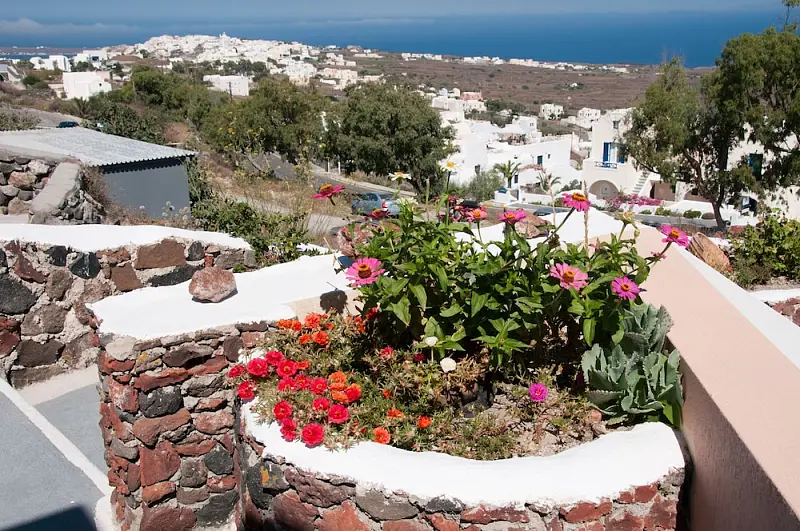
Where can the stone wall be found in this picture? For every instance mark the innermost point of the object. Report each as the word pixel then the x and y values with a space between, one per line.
pixel 64 200
pixel 789 308
pixel 21 179
pixel 167 424
pixel 277 495
pixel 45 289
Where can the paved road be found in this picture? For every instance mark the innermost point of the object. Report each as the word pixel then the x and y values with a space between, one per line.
pixel 317 223
pixel 42 487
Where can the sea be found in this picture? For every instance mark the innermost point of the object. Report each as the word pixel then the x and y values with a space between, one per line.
pixel 597 38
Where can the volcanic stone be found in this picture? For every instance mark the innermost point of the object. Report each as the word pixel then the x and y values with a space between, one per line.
pixel 163 401
pixel 213 423
pixel 342 517
pixel 38 167
pixel 26 271
pixel 292 513
pixel 3 259
pixel 86 265
pixel 17 206
pixel 179 356
pixel 155 493
pixel 124 277
pixel 193 473
pixel 58 284
pixel 166 253
pixel 15 298
pixel 382 508
pixel 123 396
pixel 148 382
pixel 195 252
pixel 219 461
pixel 34 354
pixel 192 496
pixel 57 255
pixel 212 284
pixel 148 430
pixel 317 492
pixel 22 180
pixel 163 518
pixel 178 276
pixel 158 464
pixel 131 453
pixel 47 319
pixel 218 509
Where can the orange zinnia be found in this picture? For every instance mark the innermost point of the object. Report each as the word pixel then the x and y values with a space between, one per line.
pixel 339 396
pixel 395 413
pixel 424 422
pixel 302 365
pixel 386 394
pixel 381 435
pixel 353 392
pixel 305 338
pixel 320 338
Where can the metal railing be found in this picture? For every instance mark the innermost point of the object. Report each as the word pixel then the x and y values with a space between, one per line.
pixel 605 164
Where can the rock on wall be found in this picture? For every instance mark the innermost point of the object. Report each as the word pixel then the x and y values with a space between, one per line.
pixel 168 426
pixel 21 179
pixel 44 290
pixel 64 199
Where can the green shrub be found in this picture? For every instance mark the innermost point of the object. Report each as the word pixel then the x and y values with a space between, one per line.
pixel 483 186
pixel 645 212
pixel 661 211
pixel 769 249
pixel 637 378
pixel 692 214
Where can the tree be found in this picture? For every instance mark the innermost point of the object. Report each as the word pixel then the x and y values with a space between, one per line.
pixel 548 183
pixel 686 134
pixel 82 66
pixel 483 186
pixel 116 70
pixel 16 120
pixel 509 170
pixel 760 76
pixel 108 116
pixel 382 129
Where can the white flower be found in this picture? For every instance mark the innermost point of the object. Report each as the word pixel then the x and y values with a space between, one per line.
pixel 407 201
pixel 400 176
pixel 431 341
pixel 448 364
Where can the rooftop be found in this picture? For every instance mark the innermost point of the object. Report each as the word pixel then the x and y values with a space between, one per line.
pixel 90 147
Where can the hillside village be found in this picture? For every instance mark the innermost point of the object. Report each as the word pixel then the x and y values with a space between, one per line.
pixel 256 285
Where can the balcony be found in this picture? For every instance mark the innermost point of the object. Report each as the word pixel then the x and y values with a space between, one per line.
pixel 606 165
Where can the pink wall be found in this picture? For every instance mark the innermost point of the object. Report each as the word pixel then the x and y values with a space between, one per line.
pixel 742 399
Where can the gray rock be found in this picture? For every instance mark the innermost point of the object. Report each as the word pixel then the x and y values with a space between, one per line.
pixel 3 259
pixel 17 206
pixel 258 494
pixel 195 252
pixel 179 275
pixel 57 255
pixel 276 481
pixel 163 401
pixel 380 507
pixel 58 284
pixel 35 354
pixel 219 461
pixel 217 510
pixel 227 260
pixel 22 160
pixel 25 195
pixel 193 473
pixel 15 298
pixel 203 386
pixel 39 168
pixel 441 504
pixel 131 453
pixel 86 265
pixel 8 167
pixel 9 191
pixel 148 360
pixel 47 319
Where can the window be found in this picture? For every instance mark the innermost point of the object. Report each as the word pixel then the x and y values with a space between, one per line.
pixel 615 123
pixel 516 178
pixel 539 160
pixel 548 156
pixel 756 163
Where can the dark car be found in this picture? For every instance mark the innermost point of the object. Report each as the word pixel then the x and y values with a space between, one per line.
pixel 366 203
pixel 67 123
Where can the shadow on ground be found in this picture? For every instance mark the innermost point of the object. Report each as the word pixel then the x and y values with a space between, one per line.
pixel 74 519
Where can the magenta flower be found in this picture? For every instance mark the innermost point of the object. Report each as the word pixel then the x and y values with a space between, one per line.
pixel 625 288
pixel 569 277
pixel 476 214
pixel 578 201
pixel 538 392
pixel 674 235
pixel 364 271
pixel 511 217
pixel 328 191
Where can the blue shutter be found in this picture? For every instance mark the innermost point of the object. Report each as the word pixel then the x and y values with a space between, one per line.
pixel 606 149
pixel 539 160
pixel 621 155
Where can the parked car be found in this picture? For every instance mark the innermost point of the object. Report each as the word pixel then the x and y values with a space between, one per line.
pixel 67 123
pixel 366 203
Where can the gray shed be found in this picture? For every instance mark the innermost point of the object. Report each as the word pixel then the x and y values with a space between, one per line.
pixel 138 174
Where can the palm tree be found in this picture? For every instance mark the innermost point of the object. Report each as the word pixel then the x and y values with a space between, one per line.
pixel 80 107
pixel 508 170
pixel 548 183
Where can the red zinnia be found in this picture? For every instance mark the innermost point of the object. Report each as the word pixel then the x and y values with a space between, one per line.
pixel 258 367
pixel 338 414
pixel 288 435
pixel 313 319
pixel 320 338
pixel 305 338
pixel 282 410
pixel 353 392
pixel 381 435
pixel 424 422
pixel 247 390
pixel 289 424
pixel 236 371
pixel 286 368
pixel 302 381
pixel 372 313
pixel 313 434
pixel 273 357
pixel 287 384
pixel 387 353
pixel 302 365
pixel 318 386
pixel 321 404
pixel 419 356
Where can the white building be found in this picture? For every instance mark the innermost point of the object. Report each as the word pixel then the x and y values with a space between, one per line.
pixel 234 85
pixel 83 85
pixel 53 62
pixel 92 57
pixel 551 111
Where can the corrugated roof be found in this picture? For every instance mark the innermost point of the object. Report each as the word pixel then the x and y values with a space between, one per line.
pixel 90 147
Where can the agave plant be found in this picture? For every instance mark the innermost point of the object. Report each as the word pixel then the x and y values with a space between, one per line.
pixel 637 377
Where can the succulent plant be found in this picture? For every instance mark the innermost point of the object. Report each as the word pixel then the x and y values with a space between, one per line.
pixel 637 377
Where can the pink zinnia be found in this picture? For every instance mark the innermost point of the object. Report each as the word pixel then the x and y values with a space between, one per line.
pixel 625 288
pixel 364 271
pixel 476 214
pixel 328 191
pixel 273 358
pixel 569 277
pixel 674 235
pixel 512 217
pixel 538 392
pixel 578 201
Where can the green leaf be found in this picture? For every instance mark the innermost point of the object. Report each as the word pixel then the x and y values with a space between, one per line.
pixel 576 307
pixel 618 335
pixel 454 309
pixel 459 334
pixel 441 275
pixel 550 288
pixel 588 330
pixel 478 302
pixel 419 292
pixel 402 309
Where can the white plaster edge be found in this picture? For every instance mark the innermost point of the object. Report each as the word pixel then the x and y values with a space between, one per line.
pixel 773 296
pixel 597 470
pixel 41 392
pixel 103 519
pixel 59 440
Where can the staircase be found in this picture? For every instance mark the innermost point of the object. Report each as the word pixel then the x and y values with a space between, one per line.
pixel 640 184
